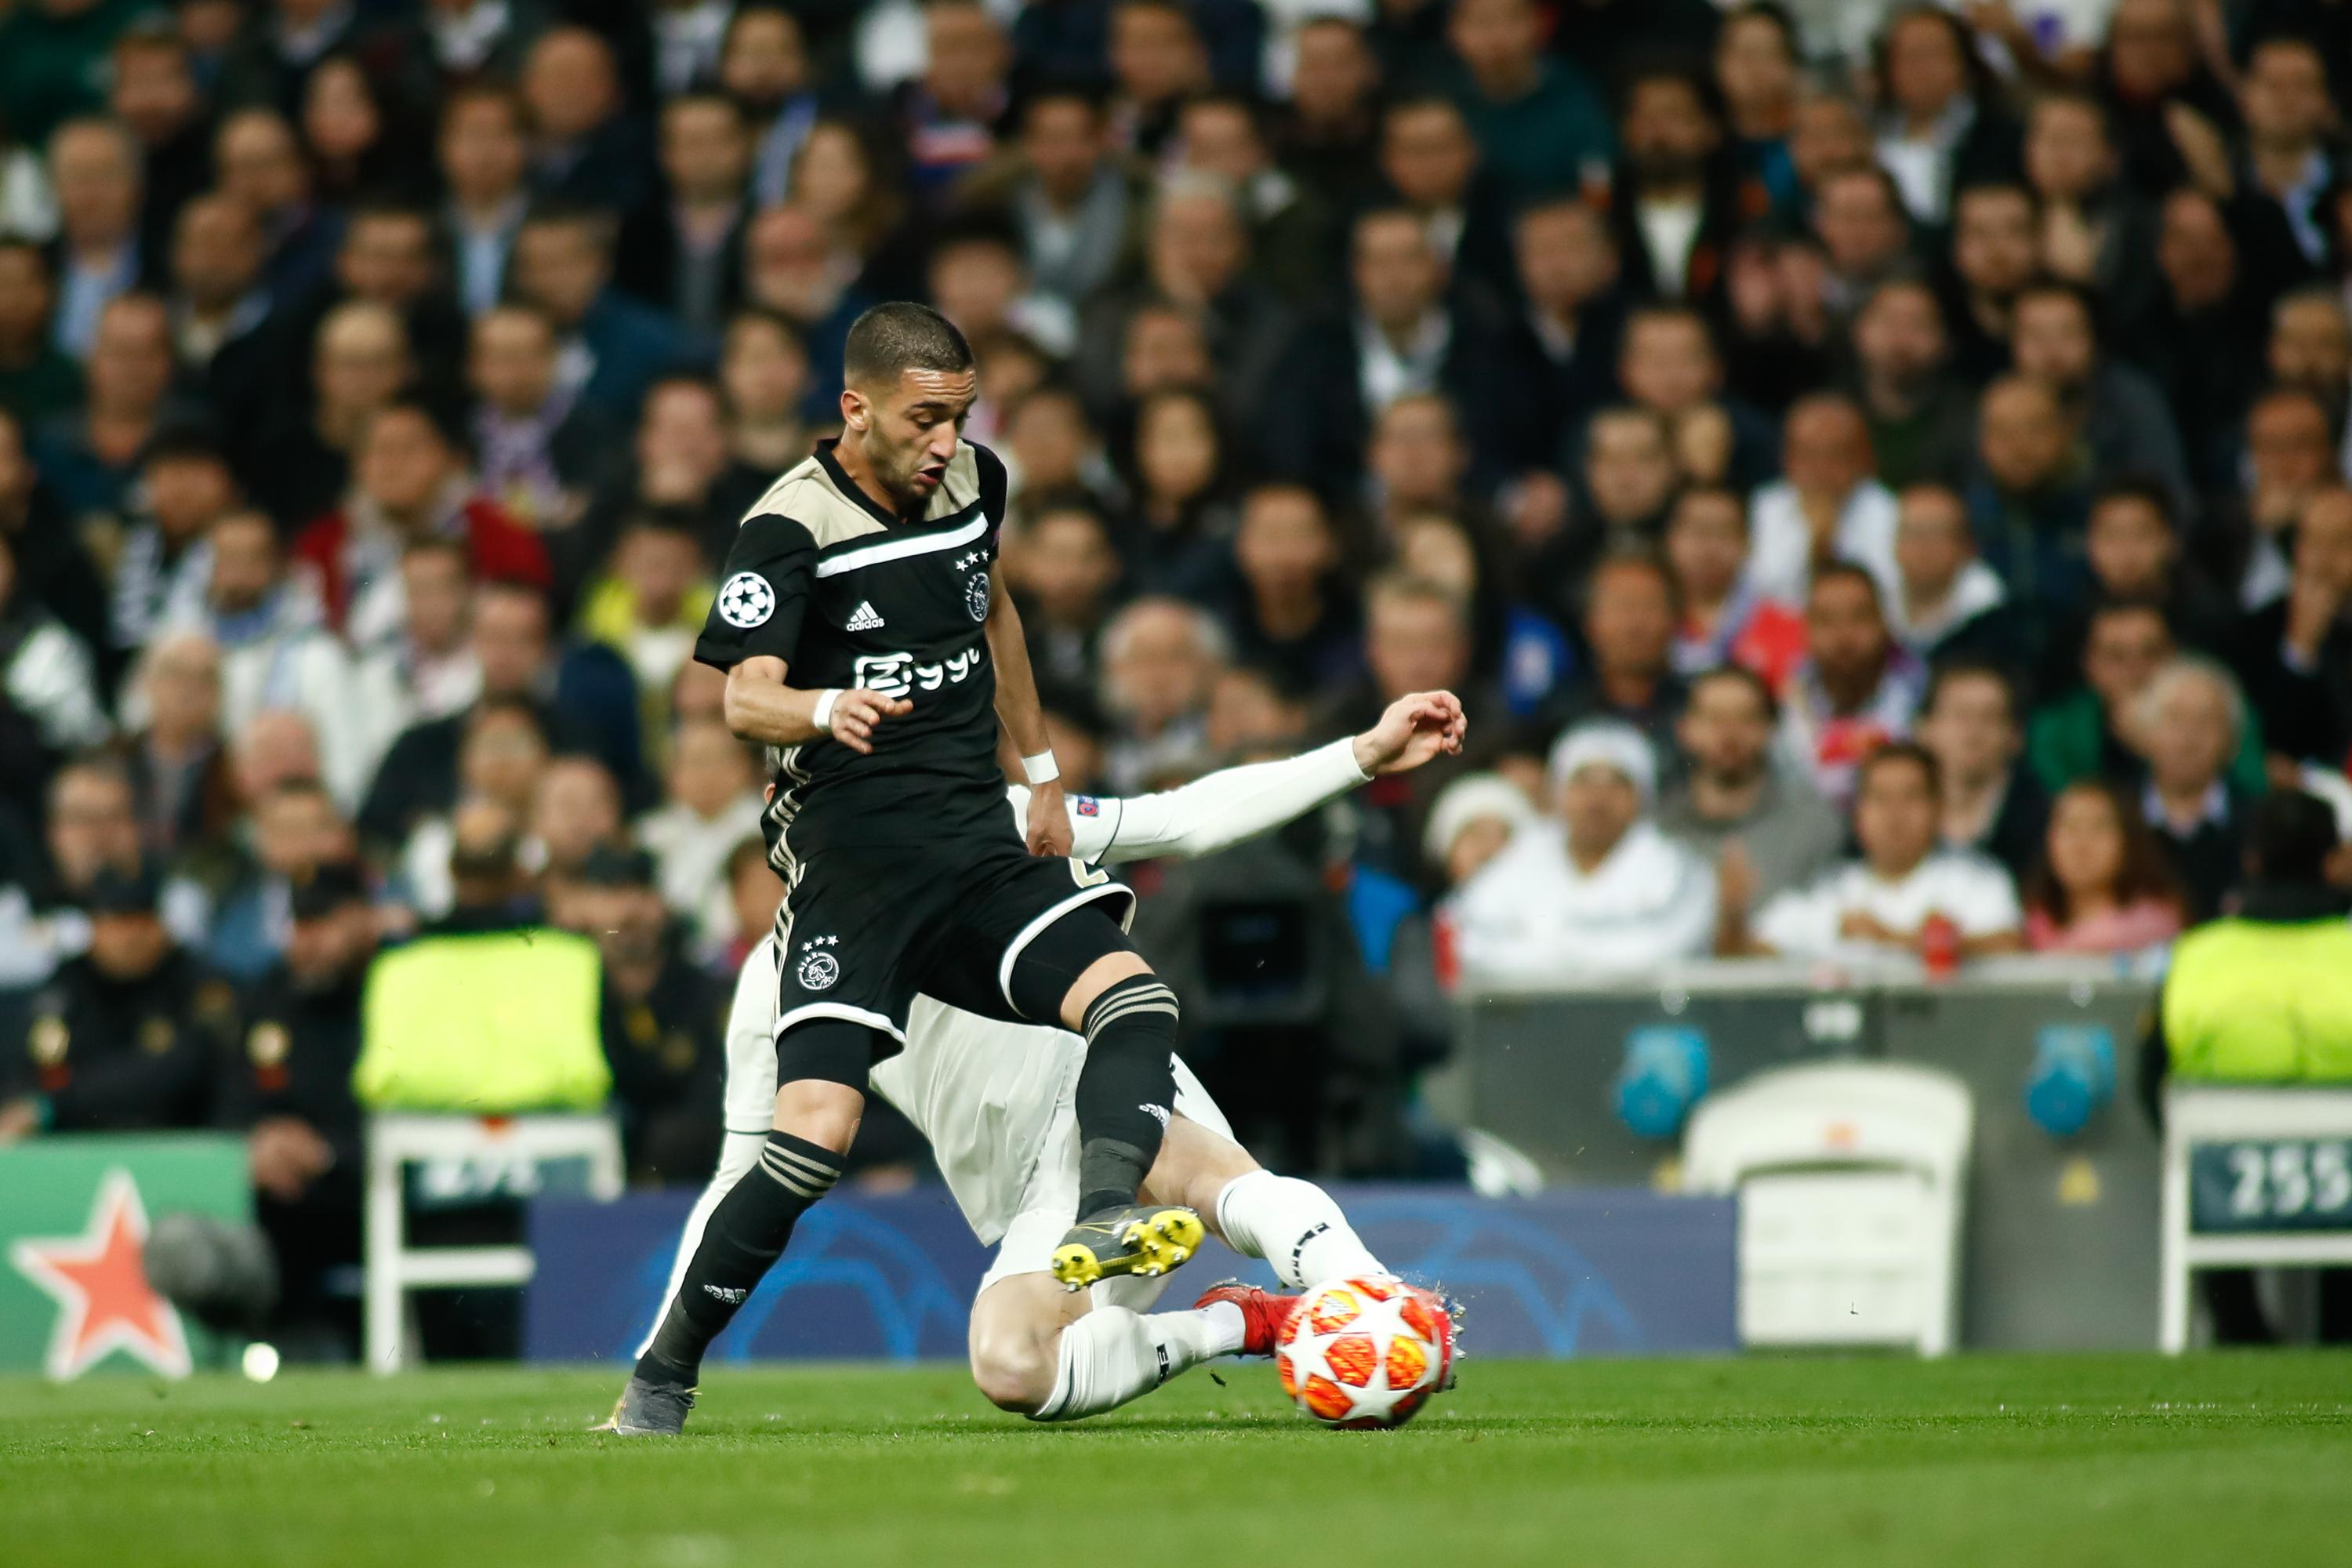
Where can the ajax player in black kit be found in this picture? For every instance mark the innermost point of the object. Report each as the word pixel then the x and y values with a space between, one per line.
pixel 869 645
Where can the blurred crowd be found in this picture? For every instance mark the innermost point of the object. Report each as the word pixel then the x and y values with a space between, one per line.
pixel 1876 475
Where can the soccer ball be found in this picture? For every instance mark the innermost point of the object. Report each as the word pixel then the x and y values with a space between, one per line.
pixel 1365 1354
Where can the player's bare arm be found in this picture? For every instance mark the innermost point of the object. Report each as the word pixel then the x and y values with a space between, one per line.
pixel 1023 718
pixel 760 706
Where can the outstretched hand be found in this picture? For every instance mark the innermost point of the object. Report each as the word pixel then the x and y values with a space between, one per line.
pixel 1414 730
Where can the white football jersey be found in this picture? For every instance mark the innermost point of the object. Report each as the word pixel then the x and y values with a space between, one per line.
pixel 981 1092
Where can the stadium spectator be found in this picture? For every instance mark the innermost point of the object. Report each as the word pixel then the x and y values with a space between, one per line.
pixel 2120 414
pixel 1762 827
pixel 410 482
pixel 2289 121
pixel 1676 201
pixel 2028 493
pixel 575 810
pixel 579 696
pixel 1402 337
pixel 257 158
pixel 217 303
pixel 1062 568
pixel 49 704
pixel 1725 618
pixel 275 653
pixel 1601 892
pixel 1629 635
pixel 94 166
pixel 127 1035
pixel 2095 231
pixel 660 1017
pixel 947 116
pixel 1905 895
pixel 1918 412
pixel 563 266
pixel 541 451
pixel 501 756
pixel 1991 803
pixel 287 1087
pixel 1671 363
pixel 1941 128
pixel 1473 820
pixel 185 485
pixel 2203 344
pixel 1995 252
pixel 1416 638
pixel 2101 884
pixel 90 457
pixel 1943 598
pixel 1830 508
pixel 1858 218
pixel 37 379
pixel 710 801
pixel 483 162
pixel 1537 122
pixel 2187 721
pixel 1419 463
pixel 178 761
pixel 301 465
pixel 1856 690
pixel 1429 162
pixel 2134 550
pixel 1181 510
pixel 1079 209
pixel 586 148
pixel 297 828
pixel 2290 453
pixel 1293 240
pixel 674 252
pixel 2296 653
pixel 2086 732
pixel 1159 661
pixel 428 669
pixel 650 607
pixel 765 373
pixel 1563 347
pixel 1291 613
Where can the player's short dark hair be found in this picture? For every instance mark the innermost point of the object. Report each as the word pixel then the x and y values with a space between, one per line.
pixel 1741 674
pixel 1969 667
pixel 1901 751
pixel 892 339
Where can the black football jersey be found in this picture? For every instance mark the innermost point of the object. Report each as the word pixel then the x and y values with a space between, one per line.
pixel 848 596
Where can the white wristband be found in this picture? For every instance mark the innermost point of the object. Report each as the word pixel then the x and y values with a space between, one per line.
pixel 822 714
pixel 1040 768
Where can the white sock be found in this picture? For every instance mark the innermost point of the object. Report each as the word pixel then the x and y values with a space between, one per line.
pixel 1112 1355
pixel 1294 1225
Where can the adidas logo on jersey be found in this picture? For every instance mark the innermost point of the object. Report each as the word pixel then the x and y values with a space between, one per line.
pixel 864 618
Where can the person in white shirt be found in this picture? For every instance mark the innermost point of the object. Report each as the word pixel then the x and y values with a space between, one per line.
pixel 995 1100
pixel 1905 895
pixel 1602 891
pixel 1940 586
pixel 1830 508
pixel 711 805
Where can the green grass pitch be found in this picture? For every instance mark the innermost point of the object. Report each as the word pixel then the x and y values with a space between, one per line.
pixel 2129 1460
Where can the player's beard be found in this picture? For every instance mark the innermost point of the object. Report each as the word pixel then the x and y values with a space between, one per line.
pixel 894 467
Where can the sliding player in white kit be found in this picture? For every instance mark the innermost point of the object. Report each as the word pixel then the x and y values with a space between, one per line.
pixel 995 1100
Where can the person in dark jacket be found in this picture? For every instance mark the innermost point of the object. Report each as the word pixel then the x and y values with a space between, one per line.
pixel 288 1090
pixel 125 1037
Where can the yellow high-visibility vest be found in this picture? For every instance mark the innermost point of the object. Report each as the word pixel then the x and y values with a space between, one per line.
pixel 489 1024
pixel 2261 1002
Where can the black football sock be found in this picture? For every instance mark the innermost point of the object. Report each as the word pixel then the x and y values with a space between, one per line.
pixel 1124 1091
pixel 747 1234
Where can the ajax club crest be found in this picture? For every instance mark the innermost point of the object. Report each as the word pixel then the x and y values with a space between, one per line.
pixel 818 968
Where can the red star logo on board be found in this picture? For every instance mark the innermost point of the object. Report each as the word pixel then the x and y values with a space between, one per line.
pixel 104 1302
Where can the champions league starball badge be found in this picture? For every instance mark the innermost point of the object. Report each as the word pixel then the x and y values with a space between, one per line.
pixel 745 601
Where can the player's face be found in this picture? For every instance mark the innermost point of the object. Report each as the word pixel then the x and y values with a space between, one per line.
pixel 908 433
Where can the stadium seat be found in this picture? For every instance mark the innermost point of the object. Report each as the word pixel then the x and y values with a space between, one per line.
pixel 506 1152
pixel 2254 1178
pixel 1850 1178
